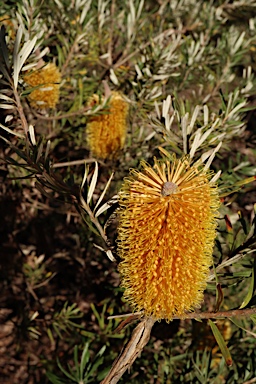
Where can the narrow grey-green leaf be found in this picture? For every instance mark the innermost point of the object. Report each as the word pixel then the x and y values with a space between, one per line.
pixel 93 183
pixel 20 59
pixel 236 322
pixel 12 132
pixel 104 191
pixel 84 359
pixel 17 43
pixel 248 297
pixel 221 343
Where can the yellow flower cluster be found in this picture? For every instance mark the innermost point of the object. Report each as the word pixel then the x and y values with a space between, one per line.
pixel 166 236
pixel 46 83
pixel 106 133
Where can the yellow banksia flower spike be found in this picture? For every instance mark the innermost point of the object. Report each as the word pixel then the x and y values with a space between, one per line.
pixel 46 81
pixel 106 133
pixel 166 235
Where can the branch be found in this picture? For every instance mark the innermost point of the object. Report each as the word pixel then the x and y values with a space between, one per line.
pixel 23 119
pixel 202 315
pixel 216 315
pixel 93 219
pixel 141 335
pixel 139 339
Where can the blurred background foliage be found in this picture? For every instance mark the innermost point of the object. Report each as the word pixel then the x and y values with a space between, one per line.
pixel 187 70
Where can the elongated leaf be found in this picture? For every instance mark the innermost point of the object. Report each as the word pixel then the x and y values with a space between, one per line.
pixel 221 343
pixel 245 181
pixel 20 58
pixel 66 373
pixel 106 206
pixel 95 365
pixel 32 135
pixel 17 41
pixel 6 98
pixel 248 297
pixel 54 379
pixel 86 171
pixel 6 106
pixel 12 132
pixel 243 222
pixel 104 191
pixel 84 359
pixel 253 318
pixel 76 361
pixel 236 322
pixel 219 297
pixel 93 183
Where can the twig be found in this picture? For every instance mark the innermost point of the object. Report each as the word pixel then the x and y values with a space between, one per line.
pixel 216 315
pixel 234 256
pixel 74 162
pixel 141 335
pixel 23 119
pixel 110 43
pixel 64 115
pixel 139 339
pixel 69 56
pixel 203 315
pixel 94 219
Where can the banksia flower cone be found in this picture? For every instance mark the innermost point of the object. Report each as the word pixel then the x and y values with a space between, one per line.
pixel 106 133
pixel 165 236
pixel 46 82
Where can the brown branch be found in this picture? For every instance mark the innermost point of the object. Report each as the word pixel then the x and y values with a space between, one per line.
pixel 64 115
pixel 110 43
pixel 139 339
pixel 69 56
pixel 204 315
pixel 216 315
pixel 23 119
pixel 93 219
pixel 141 335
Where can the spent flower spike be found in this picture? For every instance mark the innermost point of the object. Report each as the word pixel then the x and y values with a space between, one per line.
pixel 166 235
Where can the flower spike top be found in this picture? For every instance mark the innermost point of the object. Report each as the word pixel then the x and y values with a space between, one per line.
pixel 166 235
pixel 46 82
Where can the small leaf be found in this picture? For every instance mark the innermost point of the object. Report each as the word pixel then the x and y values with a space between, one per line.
pixel 84 359
pixel 107 205
pixel 245 181
pixel 6 98
pixel 248 297
pixel 32 135
pixel 54 379
pixel 17 41
pixel 20 135
pixel 220 297
pixel 93 183
pixel 6 106
pixel 228 223
pixel 243 222
pixel 104 191
pixel 20 58
pixel 236 322
pixel 86 171
pixel 221 343
pixel 66 373
pixel 253 318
